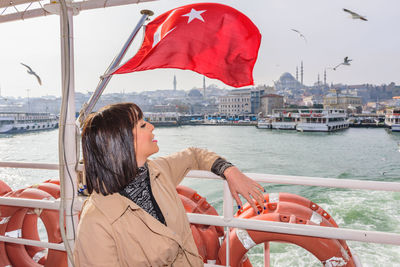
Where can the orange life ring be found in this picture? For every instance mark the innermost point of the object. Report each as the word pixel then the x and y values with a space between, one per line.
pixel 53 181
pixel 205 236
pixel 4 188
pixel 272 201
pixel 38 254
pixel 201 203
pixel 52 188
pixel 288 208
pixel 198 240
pixel 4 219
pixel 5 215
pixel 17 253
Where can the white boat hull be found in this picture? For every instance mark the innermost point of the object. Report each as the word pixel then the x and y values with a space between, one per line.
pixel 395 127
pixel 28 127
pixel 321 127
pixel 264 125
pixel 284 125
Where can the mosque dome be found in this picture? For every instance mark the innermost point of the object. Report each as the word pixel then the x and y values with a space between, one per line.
pixel 286 77
pixel 194 93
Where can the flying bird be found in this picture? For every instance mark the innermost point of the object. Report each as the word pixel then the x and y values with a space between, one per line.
pixel 354 15
pixel 346 62
pixel 301 35
pixel 30 71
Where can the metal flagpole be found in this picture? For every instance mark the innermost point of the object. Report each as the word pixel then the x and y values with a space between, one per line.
pixel 88 107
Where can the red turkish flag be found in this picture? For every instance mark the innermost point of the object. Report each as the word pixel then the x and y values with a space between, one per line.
pixel 212 39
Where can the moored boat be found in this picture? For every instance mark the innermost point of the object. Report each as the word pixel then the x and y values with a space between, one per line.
pixel 16 122
pixel 392 119
pixel 285 119
pixel 162 119
pixel 264 124
pixel 320 120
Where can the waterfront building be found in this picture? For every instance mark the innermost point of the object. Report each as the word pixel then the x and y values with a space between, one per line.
pixel 312 100
pixel 236 102
pixel 336 100
pixel 270 102
pixel 256 94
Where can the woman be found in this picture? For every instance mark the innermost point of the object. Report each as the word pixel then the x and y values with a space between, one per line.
pixel 134 216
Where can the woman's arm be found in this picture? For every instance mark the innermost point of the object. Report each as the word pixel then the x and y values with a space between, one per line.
pixel 180 163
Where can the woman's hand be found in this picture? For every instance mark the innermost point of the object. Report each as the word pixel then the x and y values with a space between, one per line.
pixel 243 185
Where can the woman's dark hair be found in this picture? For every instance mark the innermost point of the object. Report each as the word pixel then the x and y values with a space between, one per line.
pixel 108 147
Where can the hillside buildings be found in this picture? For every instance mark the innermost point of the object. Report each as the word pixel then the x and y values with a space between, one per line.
pixel 336 100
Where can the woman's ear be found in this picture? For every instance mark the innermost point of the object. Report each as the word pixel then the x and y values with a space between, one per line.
pixel 81 183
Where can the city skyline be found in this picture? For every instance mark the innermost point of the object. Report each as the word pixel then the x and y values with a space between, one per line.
pixel 330 33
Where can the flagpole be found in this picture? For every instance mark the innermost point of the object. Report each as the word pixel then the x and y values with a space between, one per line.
pixel 88 107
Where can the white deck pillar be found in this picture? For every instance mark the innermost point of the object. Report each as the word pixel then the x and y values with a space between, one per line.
pixel 67 133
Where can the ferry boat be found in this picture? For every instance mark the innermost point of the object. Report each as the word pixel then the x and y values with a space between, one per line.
pixel 17 122
pixel 285 119
pixel 264 124
pixel 162 119
pixel 302 225
pixel 322 120
pixel 392 119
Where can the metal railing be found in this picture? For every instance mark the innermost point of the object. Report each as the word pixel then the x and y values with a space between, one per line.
pixel 228 220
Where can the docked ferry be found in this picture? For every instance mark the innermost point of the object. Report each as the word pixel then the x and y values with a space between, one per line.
pixel 285 119
pixel 16 122
pixel 162 119
pixel 321 120
pixel 392 119
pixel 264 124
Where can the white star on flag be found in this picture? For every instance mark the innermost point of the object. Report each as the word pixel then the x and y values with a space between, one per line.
pixel 194 14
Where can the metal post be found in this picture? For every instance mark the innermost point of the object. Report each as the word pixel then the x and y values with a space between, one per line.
pixel 88 107
pixel 266 254
pixel 228 215
pixel 67 132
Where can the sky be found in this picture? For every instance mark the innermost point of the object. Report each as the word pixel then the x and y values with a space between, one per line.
pixel 331 34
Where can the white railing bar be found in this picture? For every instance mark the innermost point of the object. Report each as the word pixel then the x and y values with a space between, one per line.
pixel 309 181
pixel 259 177
pixel 30 203
pixel 30 242
pixel 29 165
pixel 326 182
pixel 298 229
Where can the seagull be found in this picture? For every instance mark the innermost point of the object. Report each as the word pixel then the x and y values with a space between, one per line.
pixel 301 35
pixel 346 62
pixel 30 71
pixel 354 15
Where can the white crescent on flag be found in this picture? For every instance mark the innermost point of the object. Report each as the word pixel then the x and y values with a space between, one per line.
pixel 157 35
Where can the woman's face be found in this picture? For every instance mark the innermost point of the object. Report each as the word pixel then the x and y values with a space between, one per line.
pixel 145 144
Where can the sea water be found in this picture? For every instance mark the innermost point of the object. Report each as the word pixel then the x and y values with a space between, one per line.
pixel 356 153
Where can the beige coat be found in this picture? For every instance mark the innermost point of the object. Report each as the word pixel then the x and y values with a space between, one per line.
pixel 114 231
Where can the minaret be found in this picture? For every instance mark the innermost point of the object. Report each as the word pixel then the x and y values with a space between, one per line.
pixel 204 86
pixel 297 73
pixel 318 81
pixel 301 72
pixel 325 78
pixel 174 82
